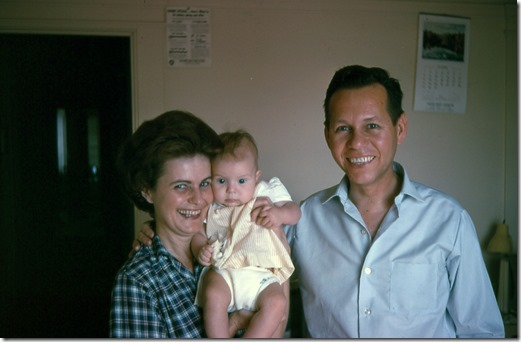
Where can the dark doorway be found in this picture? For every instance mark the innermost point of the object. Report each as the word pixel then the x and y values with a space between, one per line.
pixel 65 107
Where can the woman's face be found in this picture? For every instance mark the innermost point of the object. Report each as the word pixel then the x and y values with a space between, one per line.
pixel 182 196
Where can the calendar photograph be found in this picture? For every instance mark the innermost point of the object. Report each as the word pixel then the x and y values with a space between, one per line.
pixel 442 64
pixel 443 41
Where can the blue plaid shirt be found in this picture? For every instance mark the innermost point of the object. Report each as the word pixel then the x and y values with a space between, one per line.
pixel 153 297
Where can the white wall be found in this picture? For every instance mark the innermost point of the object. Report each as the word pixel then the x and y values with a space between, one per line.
pixel 272 61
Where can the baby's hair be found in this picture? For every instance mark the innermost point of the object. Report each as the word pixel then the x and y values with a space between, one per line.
pixel 233 140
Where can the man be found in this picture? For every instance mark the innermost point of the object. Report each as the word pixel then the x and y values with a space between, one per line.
pixel 380 256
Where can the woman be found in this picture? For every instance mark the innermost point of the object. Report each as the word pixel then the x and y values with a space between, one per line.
pixel 167 173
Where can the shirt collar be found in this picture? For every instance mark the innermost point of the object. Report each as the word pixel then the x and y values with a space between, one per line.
pixel 408 187
pixel 162 253
pixel 158 247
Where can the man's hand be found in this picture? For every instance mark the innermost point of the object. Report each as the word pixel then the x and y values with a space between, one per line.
pixel 145 236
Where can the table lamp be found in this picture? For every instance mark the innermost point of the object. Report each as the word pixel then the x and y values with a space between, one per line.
pixel 501 243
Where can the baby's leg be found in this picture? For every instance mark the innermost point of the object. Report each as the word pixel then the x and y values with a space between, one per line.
pixel 216 298
pixel 271 305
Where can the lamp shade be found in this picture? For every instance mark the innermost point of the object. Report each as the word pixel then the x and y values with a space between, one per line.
pixel 501 242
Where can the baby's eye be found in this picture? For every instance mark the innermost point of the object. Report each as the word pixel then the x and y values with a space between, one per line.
pixel 242 181
pixel 221 181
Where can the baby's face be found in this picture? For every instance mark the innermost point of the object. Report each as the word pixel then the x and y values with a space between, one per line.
pixel 234 181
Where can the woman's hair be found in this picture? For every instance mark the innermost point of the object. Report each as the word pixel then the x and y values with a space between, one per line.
pixel 357 76
pixel 171 135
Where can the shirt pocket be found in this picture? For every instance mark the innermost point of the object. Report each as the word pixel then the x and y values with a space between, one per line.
pixel 413 287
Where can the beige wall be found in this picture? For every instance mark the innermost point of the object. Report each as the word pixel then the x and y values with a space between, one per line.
pixel 272 61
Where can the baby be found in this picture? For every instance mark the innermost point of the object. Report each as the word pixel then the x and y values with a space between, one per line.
pixel 249 262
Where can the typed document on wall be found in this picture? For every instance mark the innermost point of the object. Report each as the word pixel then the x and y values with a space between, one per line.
pixel 188 37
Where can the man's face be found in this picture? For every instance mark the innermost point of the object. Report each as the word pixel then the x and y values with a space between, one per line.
pixel 361 135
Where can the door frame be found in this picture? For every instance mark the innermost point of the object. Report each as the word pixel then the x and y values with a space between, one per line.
pixel 143 28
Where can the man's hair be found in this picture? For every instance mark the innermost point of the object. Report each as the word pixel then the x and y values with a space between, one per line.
pixel 357 76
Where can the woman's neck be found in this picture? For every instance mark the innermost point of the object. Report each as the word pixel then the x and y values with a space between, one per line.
pixel 179 247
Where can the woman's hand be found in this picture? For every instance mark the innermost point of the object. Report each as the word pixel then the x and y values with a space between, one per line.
pixel 239 320
pixel 145 236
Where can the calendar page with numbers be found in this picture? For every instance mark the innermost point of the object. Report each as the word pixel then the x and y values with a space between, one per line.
pixel 442 64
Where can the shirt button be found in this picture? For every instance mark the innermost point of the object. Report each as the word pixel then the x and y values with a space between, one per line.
pixel 368 270
pixel 367 311
pixel 363 232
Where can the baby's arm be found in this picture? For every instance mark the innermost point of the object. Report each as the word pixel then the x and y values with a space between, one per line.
pixel 201 249
pixel 275 215
pixel 289 211
pixel 272 215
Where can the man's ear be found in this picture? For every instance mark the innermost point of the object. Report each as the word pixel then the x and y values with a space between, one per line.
pixel 326 136
pixel 401 128
pixel 147 195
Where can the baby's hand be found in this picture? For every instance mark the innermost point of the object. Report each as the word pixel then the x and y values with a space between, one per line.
pixel 205 255
pixel 265 213
pixel 258 212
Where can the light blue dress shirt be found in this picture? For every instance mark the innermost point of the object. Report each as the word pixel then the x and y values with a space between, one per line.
pixel 422 276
